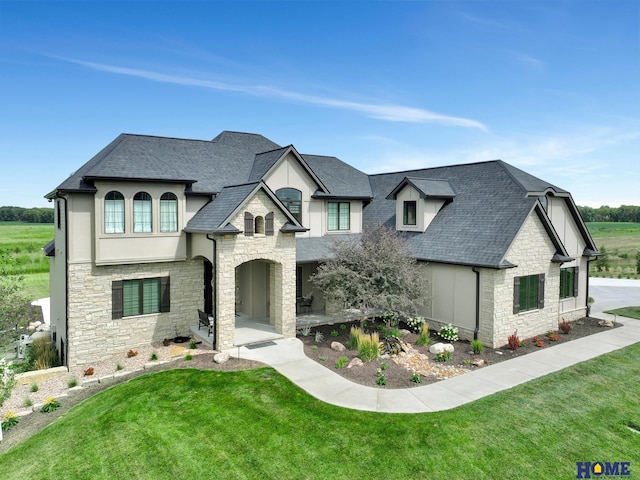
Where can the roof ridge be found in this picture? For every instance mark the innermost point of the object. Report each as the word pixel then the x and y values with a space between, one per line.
pixel 456 165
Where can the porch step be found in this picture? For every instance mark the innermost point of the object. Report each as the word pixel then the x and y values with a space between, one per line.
pixel 201 334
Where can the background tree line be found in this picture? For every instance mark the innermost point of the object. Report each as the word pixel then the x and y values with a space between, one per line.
pixel 623 213
pixel 27 215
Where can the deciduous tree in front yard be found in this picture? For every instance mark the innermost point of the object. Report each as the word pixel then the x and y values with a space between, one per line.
pixel 375 272
pixel 14 308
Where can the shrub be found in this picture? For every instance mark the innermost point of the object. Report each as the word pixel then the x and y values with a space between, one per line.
pixel 477 347
pixel 390 318
pixel 119 367
pixel 34 387
pixel 188 357
pixel 513 340
pixel 72 383
pixel 193 345
pixel 314 347
pixel 324 358
pixel 538 342
pixel 383 366
pixel 334 333
pixel 423 337
pixel 415 323
pixel 131 353
pixel 355 336
pixel 369 347
pixel 9 420
pixel 305 331
pixel 343 326
pixel 553 336
pixel 449 333
pixel 153 357
pixel 415 377
pixel 443 357
pixel 319 336
pixel 44 354
pixel 50 404
pixel 342 361
pixel 28 402
pixel 382 379
pixel 564 326
pixel 7 381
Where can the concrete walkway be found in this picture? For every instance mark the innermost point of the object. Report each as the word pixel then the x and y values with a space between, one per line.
pixel 287 357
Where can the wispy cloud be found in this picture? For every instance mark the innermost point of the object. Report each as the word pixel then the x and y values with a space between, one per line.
pixel 528 61
pixel 380 111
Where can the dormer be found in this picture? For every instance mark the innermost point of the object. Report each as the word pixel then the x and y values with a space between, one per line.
pixel 418 200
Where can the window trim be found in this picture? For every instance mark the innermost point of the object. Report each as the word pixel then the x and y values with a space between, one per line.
pixel 406 211
pixel 570 290
pixel 142 219
pixel 168 219
pixel 289 202
pixel 116 226
pixel 528 283
pixel 338 215
pixel 117 296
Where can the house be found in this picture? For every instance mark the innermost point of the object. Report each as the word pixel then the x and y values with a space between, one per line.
pixel 153 229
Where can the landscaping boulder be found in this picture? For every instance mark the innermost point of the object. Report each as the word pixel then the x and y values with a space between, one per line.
pixel 355 362
pixel 394 346
pixel 606 323
pixel 338 347
pixel 437 348
pixel 221 357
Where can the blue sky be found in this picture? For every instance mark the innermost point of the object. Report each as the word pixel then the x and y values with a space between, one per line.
pixel 551 87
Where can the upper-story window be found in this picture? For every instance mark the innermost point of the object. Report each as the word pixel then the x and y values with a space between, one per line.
pixel 114 212
pixel 292 199
pixel 168 212
pixel 409 212
pixel 339 216
pixel 142 213
pixel 259 225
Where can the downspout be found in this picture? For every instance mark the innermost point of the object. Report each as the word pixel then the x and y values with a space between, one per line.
pixel 214 291
pixel 476 330
pixel 66 277
pixel 589 260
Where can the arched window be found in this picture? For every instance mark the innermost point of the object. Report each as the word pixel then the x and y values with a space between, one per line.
pixel 113 212
pixel 168 212
pixel 292 199
pixel 259 225
pixel 142 213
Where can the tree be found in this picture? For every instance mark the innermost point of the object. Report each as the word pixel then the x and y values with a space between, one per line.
pixel 376 272
pixel 602 262
pixel 638 262
pixel 14 308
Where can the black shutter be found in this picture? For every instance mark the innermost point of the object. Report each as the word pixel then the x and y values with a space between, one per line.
pixel 541 291
pixel 268 224
pixel 116 299
pixel 248 224
pixel 516 295
pixel 576 283
pixel 165 297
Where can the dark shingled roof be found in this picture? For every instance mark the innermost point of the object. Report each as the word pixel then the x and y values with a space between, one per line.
pixel 341 179
pixel 478 226
pixel 427 187
pixel 320 248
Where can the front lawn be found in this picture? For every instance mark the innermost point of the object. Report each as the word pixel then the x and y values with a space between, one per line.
pixel 195 424
pixel 629 312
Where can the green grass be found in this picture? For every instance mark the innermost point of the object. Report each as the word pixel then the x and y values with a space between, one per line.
pixel 622 241
pixel 629 312
pixel 21 254
pixel 256 424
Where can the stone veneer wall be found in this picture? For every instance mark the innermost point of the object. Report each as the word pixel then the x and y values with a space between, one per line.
pixel 531 252
pixel 279 250
pixel 93 335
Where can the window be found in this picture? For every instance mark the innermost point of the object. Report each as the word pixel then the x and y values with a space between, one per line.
pixel 409 213
pixel 113 213
pixel 568 282
pixel 292 199
pixel 142 213
pixel 168 212
pixel 528 293
pixel 139 297
pixel 339 215
pixel 259 225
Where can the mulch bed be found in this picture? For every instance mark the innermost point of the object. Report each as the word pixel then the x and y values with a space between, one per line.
pixel 398 376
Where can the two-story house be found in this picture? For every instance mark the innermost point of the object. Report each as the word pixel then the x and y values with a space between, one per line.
pixel 152 229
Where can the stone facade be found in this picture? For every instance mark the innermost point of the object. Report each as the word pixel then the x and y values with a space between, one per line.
pixel 279 250
pixel 531 252
pixel 92 333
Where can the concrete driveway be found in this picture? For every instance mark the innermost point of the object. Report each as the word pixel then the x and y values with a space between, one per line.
pixel 610 293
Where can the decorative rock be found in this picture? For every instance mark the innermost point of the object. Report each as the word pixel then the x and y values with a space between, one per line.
pixel 221 357
pixel 478 362
pixel 441 348
pixel 404 332
pixel 355 362
pixel 606 323
pixel 338 347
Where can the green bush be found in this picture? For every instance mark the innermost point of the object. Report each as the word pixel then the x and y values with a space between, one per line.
pixel 9 420
pixel 50 404
pixel 342 362
pixel 443 357
pixel 477 347
pixel 423 337
pixel 369 347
